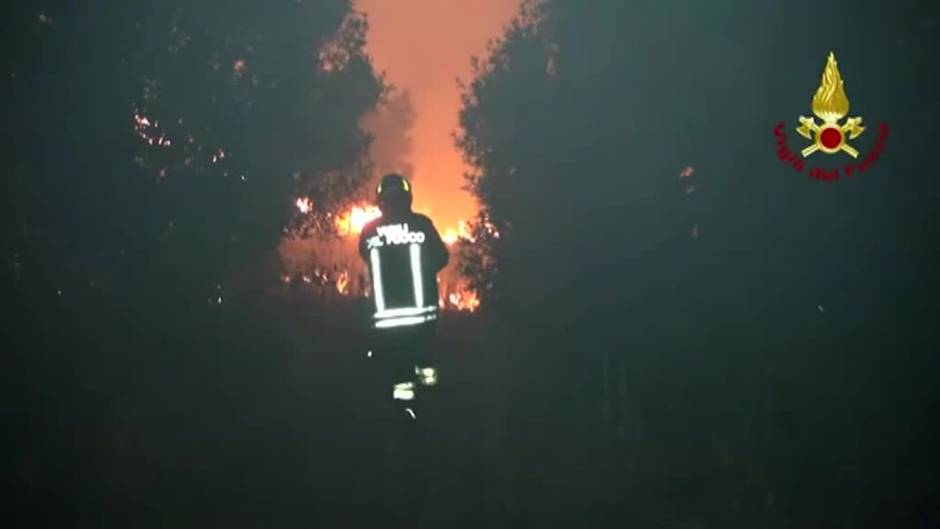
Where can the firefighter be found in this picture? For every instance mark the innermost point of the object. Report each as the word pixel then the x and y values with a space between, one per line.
pixel 404 253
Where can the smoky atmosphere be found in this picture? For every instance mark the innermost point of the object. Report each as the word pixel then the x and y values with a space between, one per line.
pixel 470 264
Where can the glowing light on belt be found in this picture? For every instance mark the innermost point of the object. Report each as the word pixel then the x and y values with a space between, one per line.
pixel 427 375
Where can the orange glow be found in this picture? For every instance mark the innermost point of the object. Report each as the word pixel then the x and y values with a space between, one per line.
pixel 460 233
pixel 463 299
pixel 398 42
pixel 449 236
pixel 423 47
pixel 342 283
pixel 352 222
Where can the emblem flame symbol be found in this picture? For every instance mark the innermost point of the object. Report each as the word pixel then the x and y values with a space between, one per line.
pixel 830 104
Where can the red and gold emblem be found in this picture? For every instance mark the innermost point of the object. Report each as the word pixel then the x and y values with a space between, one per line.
pixel 830 104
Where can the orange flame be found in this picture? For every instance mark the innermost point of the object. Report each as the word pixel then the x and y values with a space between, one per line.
pixel 450 236
pixel 342 283
pixel 352 222
pixel 461 233
pixel 463 299
pixel 456 295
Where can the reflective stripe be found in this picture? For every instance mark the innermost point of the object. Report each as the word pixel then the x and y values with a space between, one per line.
pixel 426 375
pixel 403 391
pixel 406 311
pixel 401 316
pixel 404 321
pixel 377 279
pixel 403 394
pixel 416 275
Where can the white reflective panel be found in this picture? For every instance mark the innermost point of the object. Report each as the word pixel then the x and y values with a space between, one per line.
pixel 404 322
pixel 406 311
pixel 377 279
pixel 403 394
pixel 411 412
pixel 428 380
pixel 396 234
pixel 416 275
pixel 400 322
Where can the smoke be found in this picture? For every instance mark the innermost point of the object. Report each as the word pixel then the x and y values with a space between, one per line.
pixel 424 47
pixel 330 261
pixel 390 127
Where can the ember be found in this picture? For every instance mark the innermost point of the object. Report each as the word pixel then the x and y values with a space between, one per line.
pixel 342 283
pixel 146 130
pixel 464 299
pixel 304 205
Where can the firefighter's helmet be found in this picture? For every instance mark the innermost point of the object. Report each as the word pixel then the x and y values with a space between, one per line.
pixel 394 183
pixel 394 190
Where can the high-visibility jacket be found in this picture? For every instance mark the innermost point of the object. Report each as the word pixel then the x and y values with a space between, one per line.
pixel 404 253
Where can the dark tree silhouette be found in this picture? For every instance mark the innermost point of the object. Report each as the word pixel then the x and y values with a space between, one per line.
pixel 153 153
pixel 718 329
pixel 677 329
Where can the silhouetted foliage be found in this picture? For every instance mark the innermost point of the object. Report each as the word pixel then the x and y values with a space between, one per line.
pixel 153 151
pixel 719 329
pixel 677 329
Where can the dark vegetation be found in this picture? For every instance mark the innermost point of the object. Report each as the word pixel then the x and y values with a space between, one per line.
pixel 775 367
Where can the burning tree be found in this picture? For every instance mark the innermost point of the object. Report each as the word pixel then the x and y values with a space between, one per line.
pixel 476 269
pixel 322 248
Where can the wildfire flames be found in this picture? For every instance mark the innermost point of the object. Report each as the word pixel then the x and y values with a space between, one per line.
pixel 463 299
pixel 462 232
pixel 352 222
pixel 455 294
pixel 342 283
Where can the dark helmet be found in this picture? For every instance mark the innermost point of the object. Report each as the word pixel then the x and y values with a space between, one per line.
pixel 394 192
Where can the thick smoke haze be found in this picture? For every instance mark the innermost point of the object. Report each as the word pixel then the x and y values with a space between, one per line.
pixel 390 127
pixel 424 46
pixel 669 328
